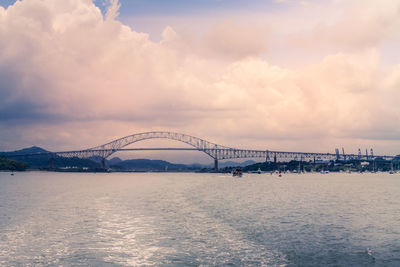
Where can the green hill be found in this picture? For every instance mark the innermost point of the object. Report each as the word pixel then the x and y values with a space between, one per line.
pixel 39 161
pixel 12 165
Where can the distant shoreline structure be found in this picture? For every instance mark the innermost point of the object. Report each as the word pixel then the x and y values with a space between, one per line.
pixel 215 151
pixel 37 158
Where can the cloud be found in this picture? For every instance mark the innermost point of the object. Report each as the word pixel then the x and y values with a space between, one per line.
pixel 359 25
pixel 231 39
pixel 66 70
pixel 227 40
pixel 112 10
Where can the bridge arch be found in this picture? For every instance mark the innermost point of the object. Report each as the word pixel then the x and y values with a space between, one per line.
pixel 215 151
pixel 207 147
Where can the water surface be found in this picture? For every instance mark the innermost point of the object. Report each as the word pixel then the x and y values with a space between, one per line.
pixel 188 219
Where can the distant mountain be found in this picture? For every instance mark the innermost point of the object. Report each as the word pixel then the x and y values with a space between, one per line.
pixel 108 162
pixel 96 159
pixel 148 165
pixel 236 164
pixel 29 150
pixel 222 164
pixel 43 161
pixel 199 166
pixel 113 161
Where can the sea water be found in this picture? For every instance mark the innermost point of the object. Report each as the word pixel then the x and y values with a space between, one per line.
pixel 191 219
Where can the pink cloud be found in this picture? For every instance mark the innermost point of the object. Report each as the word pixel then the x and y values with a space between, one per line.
pixel 67 71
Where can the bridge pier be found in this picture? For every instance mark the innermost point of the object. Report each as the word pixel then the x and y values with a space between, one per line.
pixel 52 162
pixel 103 164
pixel 216 164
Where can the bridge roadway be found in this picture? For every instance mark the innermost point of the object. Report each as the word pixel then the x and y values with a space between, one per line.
pixel 215 151
pixel 222 154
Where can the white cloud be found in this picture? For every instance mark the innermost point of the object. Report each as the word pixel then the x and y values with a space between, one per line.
pixel 112 10
pixel 64 67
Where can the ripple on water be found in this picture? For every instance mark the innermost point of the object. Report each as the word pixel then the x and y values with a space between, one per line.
pixel 199 220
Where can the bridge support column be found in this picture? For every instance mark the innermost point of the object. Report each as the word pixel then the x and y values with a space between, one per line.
pixel 52 162
pixel 216 164
pixel 103 164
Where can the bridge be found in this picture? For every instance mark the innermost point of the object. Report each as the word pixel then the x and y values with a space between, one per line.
pixel 215 151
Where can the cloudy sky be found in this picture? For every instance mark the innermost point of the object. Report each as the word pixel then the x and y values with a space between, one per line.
pixel 265 74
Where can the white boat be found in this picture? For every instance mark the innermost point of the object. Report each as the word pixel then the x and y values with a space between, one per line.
pixel 257 171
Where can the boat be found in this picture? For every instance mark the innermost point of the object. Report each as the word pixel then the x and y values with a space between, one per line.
pixel 259 171
pixel 237 172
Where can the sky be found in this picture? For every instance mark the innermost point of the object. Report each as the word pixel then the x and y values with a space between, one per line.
pixel 285 75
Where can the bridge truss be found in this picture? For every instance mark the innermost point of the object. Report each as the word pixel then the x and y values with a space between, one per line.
pixel 215 151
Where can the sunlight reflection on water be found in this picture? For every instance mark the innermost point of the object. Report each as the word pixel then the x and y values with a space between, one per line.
pixel 180 219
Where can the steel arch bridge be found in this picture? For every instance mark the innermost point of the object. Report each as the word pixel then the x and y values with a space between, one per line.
pixel 215 151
